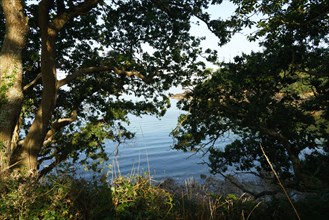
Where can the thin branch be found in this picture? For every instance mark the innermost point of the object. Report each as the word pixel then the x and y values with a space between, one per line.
pixel 58 125
pixel 244 189
pixel 51 166
pixel 308 21
pixel 239 185
pixel 279 182
pixel 268 178
pixel 128 73
pixel 26 87
pixel 81 72
pixel 9 167
pixel 279 137
pixel 49 157
pixel 181 122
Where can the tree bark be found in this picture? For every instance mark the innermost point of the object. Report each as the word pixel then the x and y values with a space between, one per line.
pixel 28 153
pixel 11 70
pixel 26 158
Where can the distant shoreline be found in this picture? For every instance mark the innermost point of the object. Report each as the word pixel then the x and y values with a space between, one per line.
pixel 179 96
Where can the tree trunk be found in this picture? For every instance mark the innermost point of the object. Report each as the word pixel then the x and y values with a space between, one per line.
pixel 25 158
pixel 28 153
pixel 11 70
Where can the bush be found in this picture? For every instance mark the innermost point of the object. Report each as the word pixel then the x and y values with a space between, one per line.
pixel 64 197
pixel 137 198
pixel 55 198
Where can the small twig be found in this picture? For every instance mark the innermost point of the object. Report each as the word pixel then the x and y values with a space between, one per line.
pixel 9 167
pixel 279 182
pixel 253 209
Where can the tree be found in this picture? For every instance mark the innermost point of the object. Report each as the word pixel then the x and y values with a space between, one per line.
pixel 277 98
pixel 11 69
pixel 65 65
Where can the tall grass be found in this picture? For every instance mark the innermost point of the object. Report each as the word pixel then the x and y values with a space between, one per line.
pixel 64 196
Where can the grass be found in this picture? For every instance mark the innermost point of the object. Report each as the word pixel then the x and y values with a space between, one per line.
pixel 139 197
pixel 136 197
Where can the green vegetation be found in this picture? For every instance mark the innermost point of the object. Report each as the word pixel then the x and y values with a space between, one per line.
pixel 72 62
pixel 60 197
pixel 99 49
pixel 138 197
pixel 277 98
pixel 66 64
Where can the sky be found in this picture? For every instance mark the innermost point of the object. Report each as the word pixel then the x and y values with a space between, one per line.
pixel 237 44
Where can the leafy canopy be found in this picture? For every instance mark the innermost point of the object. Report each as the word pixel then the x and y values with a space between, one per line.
pixel 277 98
pixel 116 50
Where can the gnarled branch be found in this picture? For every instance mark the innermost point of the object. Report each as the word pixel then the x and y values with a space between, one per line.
pixel 96 69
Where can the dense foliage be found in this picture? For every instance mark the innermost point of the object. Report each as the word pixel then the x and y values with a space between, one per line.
pixel 69 68
pixel 65 197
pixel 277 98
pixel 66 82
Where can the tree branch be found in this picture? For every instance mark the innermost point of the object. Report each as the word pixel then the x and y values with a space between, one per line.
pixel 94 69
pixel 245 189
pixel 58 125
pixel 51 166
pixel 272 133
pixel 27 86
pixel 61 19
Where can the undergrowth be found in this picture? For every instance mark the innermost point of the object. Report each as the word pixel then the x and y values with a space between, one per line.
pixel 139 197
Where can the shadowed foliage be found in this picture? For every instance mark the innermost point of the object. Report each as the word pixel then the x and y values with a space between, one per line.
pixel 278 98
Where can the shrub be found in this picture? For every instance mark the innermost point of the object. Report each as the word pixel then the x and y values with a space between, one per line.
pixel 65 197
pixel 60 197
pixel 137 198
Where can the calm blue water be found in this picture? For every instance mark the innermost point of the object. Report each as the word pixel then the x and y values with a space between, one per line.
pixel 151 150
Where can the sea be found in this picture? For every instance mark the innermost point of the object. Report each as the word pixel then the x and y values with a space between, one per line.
pixel 151 151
